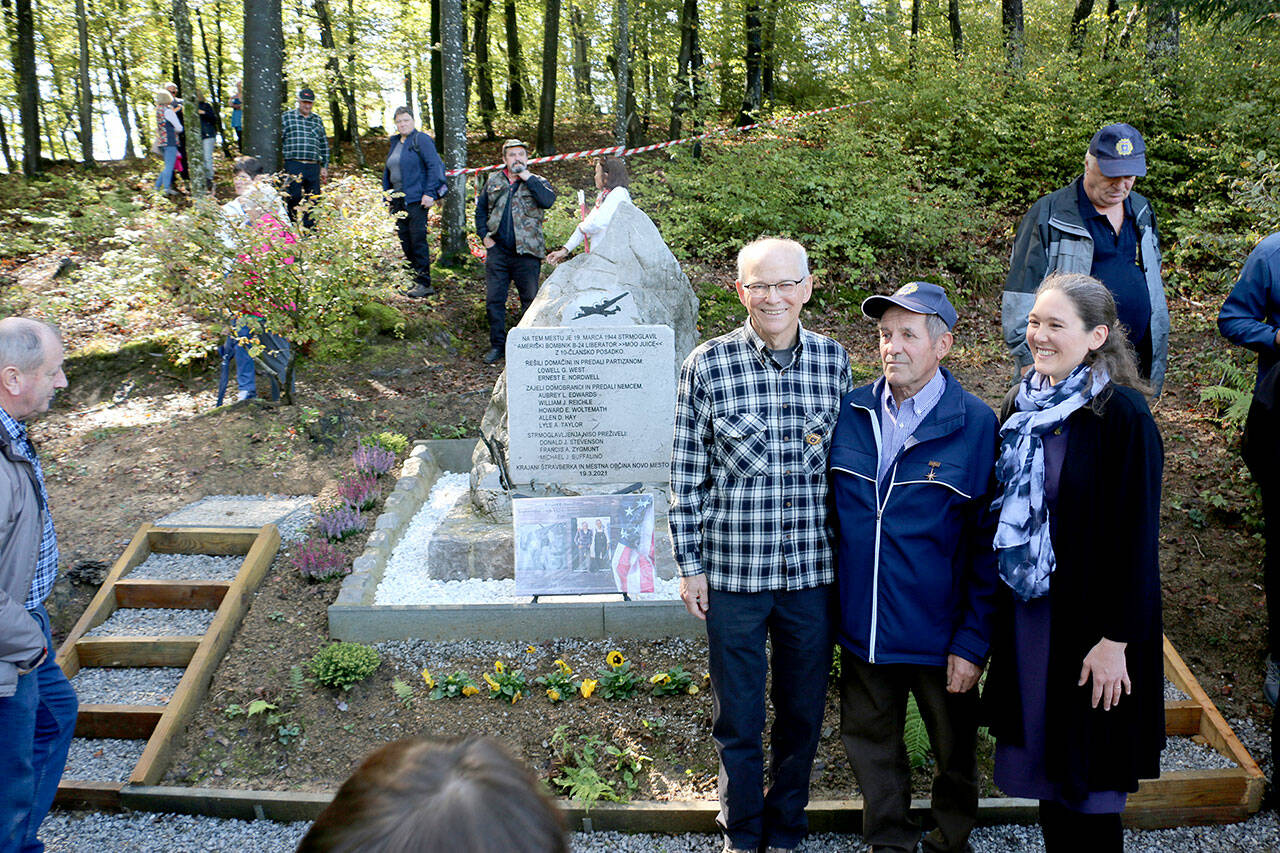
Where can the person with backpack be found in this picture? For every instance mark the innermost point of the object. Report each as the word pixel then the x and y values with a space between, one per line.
pixel 414 176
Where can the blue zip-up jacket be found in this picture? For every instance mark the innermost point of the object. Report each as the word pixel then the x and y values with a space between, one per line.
pixel 1251 314
pixel 421 171
pixel 914 560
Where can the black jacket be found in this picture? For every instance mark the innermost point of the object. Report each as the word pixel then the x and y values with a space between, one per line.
pixel 1105 536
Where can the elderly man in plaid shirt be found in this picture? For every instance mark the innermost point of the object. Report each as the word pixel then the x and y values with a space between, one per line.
pixel 37 705
pixel 305 149
pixel 754 415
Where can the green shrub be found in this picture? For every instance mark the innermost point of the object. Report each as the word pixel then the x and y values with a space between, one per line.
pixel 395 442
pixel 343 664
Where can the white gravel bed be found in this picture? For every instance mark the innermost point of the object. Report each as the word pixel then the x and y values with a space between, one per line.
pixel 102 759
pixel 154 622
pixel 407 580
pixel 1183 753
pixel 133 685
pixel 1172 693
pixel 80 832
pixel 187 567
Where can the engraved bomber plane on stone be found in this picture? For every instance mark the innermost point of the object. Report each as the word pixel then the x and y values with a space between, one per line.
pixel 602 309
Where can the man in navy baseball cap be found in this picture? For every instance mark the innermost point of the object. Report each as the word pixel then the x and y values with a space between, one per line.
pixel 919 297
pixel 1096 225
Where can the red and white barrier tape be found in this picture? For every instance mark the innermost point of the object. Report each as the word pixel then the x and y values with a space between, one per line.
pixel 622 150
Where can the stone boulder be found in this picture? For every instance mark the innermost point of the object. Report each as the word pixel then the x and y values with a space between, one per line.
pixel 630 264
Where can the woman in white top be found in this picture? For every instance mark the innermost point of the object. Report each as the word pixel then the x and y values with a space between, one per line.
pixel 168 126
pixel 612 181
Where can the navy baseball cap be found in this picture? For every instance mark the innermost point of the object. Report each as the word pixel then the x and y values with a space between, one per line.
pixel 305 94
pixel 1120 151
pixel 918 296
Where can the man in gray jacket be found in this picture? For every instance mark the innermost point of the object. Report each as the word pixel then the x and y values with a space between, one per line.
pixel 1098 226
pixel 37 705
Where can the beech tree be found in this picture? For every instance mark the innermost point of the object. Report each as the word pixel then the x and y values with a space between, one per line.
pixel 263 80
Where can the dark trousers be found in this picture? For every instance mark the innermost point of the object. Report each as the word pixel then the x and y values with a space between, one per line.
pixel 798 624
pixel 412 229
pixel 37 722
pixel 503 268
pixel 303 179
pixel 1271 560
pixel 873 711
pixel 1067 831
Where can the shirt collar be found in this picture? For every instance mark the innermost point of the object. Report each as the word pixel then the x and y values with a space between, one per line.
pixel 758 346
pixel 1088 211
pixel 13 427
pixel 921 401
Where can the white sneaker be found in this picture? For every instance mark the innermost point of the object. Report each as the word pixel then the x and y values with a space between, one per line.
pixel 241 396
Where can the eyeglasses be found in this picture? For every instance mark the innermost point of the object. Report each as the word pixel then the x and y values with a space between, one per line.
pixel 785 288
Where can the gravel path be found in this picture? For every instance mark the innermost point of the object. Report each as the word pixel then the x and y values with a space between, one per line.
pixel 152 685
pixel 187 567
pixel 1183 753
pixel 291 514
pixel 65 832
pixel 154 622
pixel 102 759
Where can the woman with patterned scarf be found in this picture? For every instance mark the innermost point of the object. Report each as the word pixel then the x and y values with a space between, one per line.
pixel 1076 687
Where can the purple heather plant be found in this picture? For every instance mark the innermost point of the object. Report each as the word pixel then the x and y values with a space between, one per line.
pixel 358 490
pixel 317 560
pixel 338 522
pixel 371 459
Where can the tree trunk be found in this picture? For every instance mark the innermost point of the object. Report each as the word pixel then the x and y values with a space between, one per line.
pixel 85 86
pixel 621 68
pixel 484 72
pixel 324 18
pixel 914 41
pixel 767 49
pixel 263 80
pixel 217 30
pixel 1079 26
pixel 4 146
pixel 1163 33
pixel 957 34
pixel 1108 38
pixel 1011 23
pixel 198 171
pixel 453 22
pixel 684 97
pixel 545 143
pixel 437 74
pixel 28 88
pixel 117 94
pixel 349 87
pixel 515 62
pixel 753 98
pixel 581 70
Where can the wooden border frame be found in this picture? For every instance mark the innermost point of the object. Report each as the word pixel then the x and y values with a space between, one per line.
pixel 199 655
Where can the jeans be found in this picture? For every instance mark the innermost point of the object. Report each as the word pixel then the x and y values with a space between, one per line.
pixel 164 180
pixel 412 230
pixel 798 624
pixel 502 268
pixel 208 143
pixel 303 179
pixel 37 722
pixel 245 368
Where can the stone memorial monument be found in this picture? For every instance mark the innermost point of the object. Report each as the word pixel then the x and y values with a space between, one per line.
pixel 604 301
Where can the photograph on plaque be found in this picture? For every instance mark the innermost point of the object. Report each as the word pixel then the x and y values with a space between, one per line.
pixel 584 545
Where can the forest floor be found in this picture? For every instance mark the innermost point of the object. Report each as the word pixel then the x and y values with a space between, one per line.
pixel 130 440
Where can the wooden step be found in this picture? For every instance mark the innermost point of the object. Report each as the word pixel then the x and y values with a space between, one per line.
pixel 127 722
pixel 137 651
pixel 173 594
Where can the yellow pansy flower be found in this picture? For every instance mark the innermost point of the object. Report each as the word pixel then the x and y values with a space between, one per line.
pixel 488 679
pixel 553 694
pixel 693 688
pixel 499 667
pixel 530 650
pixel 515 698
pixel 470 690
pixel 588 687
pixel 563 667
pixel 660 678
pixel 431 682
pixel 615 659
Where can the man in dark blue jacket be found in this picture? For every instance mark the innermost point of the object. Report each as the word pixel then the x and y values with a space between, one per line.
pixel 912 463
pixel 414 175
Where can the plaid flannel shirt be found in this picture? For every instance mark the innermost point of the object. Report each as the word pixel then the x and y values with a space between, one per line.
pixel 47 561
pixel 303 138
pixel 749 462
